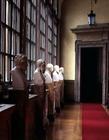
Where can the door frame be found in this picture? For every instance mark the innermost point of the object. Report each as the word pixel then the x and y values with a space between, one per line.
pixel 86 44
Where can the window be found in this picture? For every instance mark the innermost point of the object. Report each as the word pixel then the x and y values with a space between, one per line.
pixel 10 35
pixel 55 6
pixel 55 44
pixel 50 2
pixel 31 36
pixel 42 30
pixel 15 37
pixel 50 33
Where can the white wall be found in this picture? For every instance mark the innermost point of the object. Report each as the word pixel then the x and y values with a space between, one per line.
pixel 73 13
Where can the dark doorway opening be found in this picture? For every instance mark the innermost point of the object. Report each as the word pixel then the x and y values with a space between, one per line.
pixel 91 75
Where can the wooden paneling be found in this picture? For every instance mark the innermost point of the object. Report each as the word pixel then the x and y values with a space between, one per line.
pixel 6 124
pixel 69 90
pixel 30 119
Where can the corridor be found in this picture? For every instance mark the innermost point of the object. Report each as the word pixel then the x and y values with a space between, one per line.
pixel 67 125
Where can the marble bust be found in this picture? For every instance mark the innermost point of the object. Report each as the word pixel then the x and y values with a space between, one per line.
pixel 38 78
pixel 19 81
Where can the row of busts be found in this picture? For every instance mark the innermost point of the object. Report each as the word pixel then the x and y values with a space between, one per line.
pixel 49 72
pixel 53 79
pixel 46 75
pixel 43 73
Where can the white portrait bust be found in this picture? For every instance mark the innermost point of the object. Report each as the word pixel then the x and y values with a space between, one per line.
pixel 38 78
pixel 19 81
